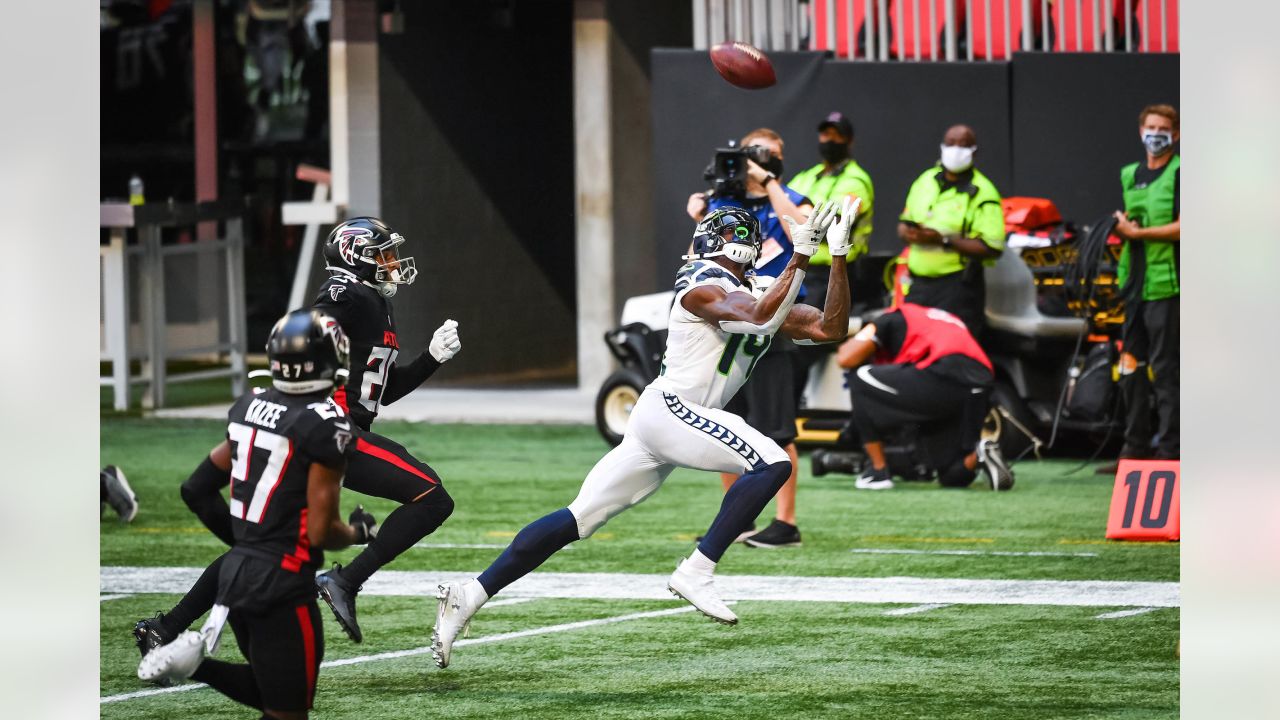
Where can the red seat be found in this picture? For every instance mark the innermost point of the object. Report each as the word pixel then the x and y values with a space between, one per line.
pixel 819 41
pixel 1148 12
pixel 1068 14
pixel 903 27
pixel 999 51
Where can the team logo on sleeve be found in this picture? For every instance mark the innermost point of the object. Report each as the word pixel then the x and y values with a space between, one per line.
pixel 335 291
pixel 342 437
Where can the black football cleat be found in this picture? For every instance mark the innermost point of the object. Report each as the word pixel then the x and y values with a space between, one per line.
pixel 341 598
pixel 149 634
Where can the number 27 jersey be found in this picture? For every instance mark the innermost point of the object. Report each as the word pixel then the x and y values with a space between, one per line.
pixel 704 364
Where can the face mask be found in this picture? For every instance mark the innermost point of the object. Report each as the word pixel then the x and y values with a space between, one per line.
pixel 832 151
pixel 774 165
pixel 957 159
pixel 1157 143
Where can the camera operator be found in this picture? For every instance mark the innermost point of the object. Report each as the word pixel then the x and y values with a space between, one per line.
pixel 768 400
pixel 927 370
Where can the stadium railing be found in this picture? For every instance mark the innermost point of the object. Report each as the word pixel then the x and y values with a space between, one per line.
pixel 918 30
pixel 135 273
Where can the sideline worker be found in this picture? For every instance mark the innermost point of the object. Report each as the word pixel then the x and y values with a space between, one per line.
pixel 836 177
pixel 953 225
pixel 768 399
pixel 1148 275
pixel 928 371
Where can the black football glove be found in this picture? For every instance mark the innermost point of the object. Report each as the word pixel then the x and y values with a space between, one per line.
pixel 364 523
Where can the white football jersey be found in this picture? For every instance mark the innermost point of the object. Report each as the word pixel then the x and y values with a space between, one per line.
pixel 704 364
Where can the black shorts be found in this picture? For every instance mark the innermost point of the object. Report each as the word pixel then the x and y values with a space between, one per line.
pixel 768 400
pixel 383 468
pixel 284 646
pixel 889 397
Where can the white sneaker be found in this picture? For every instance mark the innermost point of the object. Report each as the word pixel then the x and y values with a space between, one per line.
pixel 872 479
pixel 120 495
pixel 992 460
pixel 697 589
pixel 457 603
pixel 175 661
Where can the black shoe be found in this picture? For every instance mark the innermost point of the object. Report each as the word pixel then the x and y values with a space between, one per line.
pixel 992 462
pixel 778 534
pixel 341 598
pixel 149 634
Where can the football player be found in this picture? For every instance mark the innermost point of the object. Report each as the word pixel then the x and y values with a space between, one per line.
pixel 365 269
pixel 287 448
pixel 718 331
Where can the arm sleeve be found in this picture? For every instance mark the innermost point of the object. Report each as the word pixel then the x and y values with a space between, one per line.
pixel 404 379
pixel 774 323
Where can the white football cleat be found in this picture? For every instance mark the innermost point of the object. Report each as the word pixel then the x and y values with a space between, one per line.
pixel 698 590
pixel 457 603
pixel 175 661
pixel 120 495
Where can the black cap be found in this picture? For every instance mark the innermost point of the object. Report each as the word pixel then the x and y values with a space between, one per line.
pixel 838 121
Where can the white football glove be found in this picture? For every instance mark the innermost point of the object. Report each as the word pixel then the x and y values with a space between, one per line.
pixel 445 343
pixel 805 238
pixel 839 237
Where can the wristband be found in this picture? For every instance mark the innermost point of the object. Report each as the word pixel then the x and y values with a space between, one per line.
pixel 767 178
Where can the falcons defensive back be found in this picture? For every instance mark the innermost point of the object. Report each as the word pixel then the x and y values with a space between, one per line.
pixel 287 447
pixel 365 272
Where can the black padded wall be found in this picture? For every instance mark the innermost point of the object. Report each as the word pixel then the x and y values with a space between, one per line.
pixel 1075 124
pixel 477 172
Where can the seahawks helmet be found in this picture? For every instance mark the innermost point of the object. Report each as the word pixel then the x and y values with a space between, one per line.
pixel 308 353
pixel 729 231
pixel 366 248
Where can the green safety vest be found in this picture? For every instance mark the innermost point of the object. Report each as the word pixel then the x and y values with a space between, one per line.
pixel 971 210
pixel 819 188
pixel 1152 206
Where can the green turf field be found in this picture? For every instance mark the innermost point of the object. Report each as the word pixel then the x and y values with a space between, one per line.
pixel 785 659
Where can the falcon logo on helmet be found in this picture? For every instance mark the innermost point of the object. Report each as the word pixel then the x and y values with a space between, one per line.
pixel 731 232
pixel 365 248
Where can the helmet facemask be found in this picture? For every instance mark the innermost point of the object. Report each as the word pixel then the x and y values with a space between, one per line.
pixel 392 271
pixel 738 242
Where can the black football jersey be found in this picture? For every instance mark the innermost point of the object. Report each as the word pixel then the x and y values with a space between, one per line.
pixel 275 437
pixel 366 317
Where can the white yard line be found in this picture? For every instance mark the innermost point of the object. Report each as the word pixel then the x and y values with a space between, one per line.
pixel 104 598
pixel 917 609
pixel 1125 613
pixel 622 586
pixel 548 630
pixel 998 553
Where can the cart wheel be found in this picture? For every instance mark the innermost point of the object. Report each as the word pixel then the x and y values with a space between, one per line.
pixel 614 402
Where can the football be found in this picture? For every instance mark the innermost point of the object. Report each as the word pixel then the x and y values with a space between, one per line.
pixel 743 65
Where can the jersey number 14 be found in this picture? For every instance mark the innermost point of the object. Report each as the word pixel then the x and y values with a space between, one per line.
pixel 753 346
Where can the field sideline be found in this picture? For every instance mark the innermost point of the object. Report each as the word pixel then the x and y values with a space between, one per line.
pixel 914 603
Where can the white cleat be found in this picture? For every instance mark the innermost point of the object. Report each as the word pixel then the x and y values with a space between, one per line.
pixel 120 495
pixel 699 591
pixel 175 661
pixel 457 603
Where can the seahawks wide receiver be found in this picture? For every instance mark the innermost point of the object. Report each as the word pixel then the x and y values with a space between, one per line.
pixel 718 330
pixel 365 273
